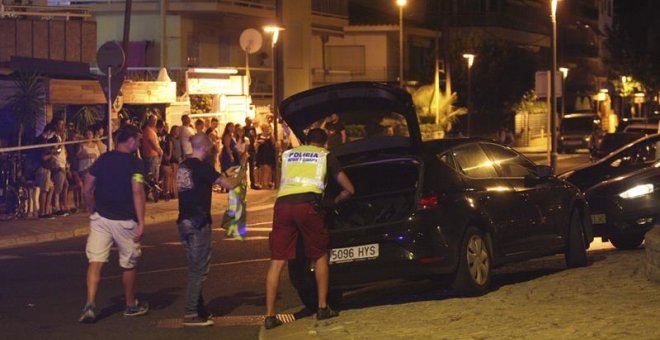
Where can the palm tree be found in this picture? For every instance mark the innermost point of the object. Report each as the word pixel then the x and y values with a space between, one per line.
pixel 85 118
pixel 27 102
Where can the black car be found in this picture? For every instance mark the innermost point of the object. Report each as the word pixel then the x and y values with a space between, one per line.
pixel 453 208
pixel 626 207
pixel 578 131
pixel 613 141
pixel 636 155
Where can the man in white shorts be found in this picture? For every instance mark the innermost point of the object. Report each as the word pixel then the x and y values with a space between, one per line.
pixel 114 194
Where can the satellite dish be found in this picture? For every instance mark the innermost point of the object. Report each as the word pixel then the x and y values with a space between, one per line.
pixel 251 41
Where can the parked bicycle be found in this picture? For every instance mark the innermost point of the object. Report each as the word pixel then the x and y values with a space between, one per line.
pixel 14 192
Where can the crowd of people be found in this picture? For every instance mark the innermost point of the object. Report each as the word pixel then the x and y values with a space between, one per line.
pixel 56 174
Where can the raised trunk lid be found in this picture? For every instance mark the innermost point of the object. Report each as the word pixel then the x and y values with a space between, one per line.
pixel 376 116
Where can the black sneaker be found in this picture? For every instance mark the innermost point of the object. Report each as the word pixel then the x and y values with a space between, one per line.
pixel 88 315
pixel 60 213
pixel 198 321
pixel 325 313
pixel 136 309
pixel 271 322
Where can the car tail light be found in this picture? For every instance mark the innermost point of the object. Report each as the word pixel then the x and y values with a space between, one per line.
pixel 428 202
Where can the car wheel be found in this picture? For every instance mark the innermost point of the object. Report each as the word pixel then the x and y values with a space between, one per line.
pixel 303 280
pixel 626 241
pixel 474 264
pixel 576 252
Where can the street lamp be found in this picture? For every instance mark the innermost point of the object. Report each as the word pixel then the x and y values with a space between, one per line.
pixel 401 4
pixel 275 31
pixel 564 73
pixel 470 60
pixel 553 93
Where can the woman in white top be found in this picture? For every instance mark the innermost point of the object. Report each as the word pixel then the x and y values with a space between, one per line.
pixel 100 134
pixel 88 152
pixel 242 142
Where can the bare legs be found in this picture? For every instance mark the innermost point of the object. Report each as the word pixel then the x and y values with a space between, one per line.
pixel 94 276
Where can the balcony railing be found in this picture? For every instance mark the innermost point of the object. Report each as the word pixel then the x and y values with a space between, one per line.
pixel 333 8
pixel 262 4
pixel 50 12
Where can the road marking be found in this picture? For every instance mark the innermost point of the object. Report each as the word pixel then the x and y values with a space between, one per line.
pixel 166 270
pixel 261 207
pixel 249 229
pixel 63 253
pixel 230 320
pixel 260 223
pixel 10 257
pixel 249 238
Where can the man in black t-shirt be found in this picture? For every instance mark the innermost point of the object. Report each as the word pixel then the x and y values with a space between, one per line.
pixel 114 194
pixel 195 179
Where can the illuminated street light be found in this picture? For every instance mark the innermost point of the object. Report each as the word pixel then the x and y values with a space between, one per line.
pixel 470 60
pixel 401 4
pixel 564 72
pixel 275 32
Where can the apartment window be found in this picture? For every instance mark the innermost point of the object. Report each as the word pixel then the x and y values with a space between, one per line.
pixel 346 58
pixel 193 50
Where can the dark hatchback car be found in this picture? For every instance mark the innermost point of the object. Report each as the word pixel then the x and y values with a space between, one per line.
pixel 450 208
pixel 634 156
pixel 613 141
pixel 626 207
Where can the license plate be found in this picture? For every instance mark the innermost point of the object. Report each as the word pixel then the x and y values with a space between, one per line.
pixel 573 142
pixel 598 219
pixel 357 253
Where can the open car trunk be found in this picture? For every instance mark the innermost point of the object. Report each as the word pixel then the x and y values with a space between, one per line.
pixel 386 191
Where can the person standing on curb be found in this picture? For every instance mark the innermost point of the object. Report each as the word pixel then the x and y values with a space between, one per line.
pixel 297 211
pixel 114 194
pixel 195 179
pixel 186 132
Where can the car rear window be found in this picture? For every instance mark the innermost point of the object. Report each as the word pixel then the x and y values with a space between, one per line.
pixel 473 161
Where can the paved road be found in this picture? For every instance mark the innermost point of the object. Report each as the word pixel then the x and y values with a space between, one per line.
pixel 42 287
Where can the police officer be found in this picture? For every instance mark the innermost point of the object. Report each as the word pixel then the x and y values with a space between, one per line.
pixel 296 213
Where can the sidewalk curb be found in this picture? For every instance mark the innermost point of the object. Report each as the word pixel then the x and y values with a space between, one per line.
pixel 16 241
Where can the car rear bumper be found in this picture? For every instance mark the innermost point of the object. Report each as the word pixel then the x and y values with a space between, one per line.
pixel 393 262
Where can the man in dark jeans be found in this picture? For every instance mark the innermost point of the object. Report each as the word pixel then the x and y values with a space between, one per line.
pixel 195 179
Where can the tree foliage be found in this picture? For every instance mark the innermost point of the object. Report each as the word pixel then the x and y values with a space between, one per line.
pixel 501 73
pixel 27 102
pixel 634 43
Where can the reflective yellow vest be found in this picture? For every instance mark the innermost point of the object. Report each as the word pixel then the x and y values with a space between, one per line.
pixel 303 170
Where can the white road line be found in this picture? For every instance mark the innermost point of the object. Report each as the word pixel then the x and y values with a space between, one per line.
pixel 249 238
pixel 249 229
pixel 10 257
pixel 260 207
pixel 260 223
pixel 166 270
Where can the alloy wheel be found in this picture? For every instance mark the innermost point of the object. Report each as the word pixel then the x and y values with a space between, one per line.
pixel 478 261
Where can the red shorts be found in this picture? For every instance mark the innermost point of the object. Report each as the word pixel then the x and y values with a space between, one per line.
pixel 291 219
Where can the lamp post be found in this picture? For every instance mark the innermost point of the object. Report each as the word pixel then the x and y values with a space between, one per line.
pixel 401 4
pixel 275 31
pixel 470 60
pixel 553 93
pixel 564 75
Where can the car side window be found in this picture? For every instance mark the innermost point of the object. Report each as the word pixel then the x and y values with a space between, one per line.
pixel 473 161
pixel 448 160
pixel 642 153
pixel 510 163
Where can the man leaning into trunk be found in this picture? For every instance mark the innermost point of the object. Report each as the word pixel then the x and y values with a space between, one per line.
pixel 297 212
